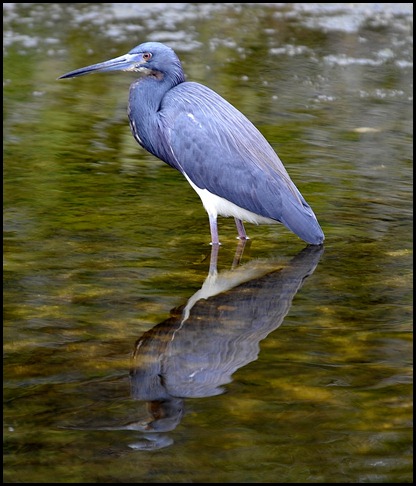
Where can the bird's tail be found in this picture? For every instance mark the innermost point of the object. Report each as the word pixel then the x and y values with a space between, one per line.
pixel 300 219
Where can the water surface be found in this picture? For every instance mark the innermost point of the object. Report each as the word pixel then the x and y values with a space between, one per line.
pixel 125 358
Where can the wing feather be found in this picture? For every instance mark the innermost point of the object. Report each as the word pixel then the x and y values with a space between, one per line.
pixel 220 150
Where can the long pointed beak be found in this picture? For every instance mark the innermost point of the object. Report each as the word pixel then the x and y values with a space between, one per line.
pixel 128 62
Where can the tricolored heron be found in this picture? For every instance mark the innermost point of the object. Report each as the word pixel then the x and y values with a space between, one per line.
pixel 220 152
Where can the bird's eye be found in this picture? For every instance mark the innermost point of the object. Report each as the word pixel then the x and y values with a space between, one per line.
pixel 147 56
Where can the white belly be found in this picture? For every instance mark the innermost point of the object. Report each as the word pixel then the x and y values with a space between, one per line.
pixel 216 205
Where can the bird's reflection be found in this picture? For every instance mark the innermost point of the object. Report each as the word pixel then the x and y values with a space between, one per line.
pixel 196 351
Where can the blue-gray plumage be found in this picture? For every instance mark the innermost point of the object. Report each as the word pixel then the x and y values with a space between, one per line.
pixel 221 153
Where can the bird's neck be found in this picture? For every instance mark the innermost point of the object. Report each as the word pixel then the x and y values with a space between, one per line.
pixel 145 100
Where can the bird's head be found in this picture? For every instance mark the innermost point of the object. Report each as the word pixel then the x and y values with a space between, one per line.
pixel 151 59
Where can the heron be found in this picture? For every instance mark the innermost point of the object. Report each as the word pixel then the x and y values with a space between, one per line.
pixel 223 156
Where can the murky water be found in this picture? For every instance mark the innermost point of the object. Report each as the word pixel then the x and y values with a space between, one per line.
pixel 125 358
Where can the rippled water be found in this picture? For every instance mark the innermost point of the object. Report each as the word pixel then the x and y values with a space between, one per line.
pixel 127 358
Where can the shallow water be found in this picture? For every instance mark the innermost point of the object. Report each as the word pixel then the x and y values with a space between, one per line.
pixel 125 359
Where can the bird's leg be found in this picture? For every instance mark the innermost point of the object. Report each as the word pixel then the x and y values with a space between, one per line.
pixel 214 229
pixel 242 235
